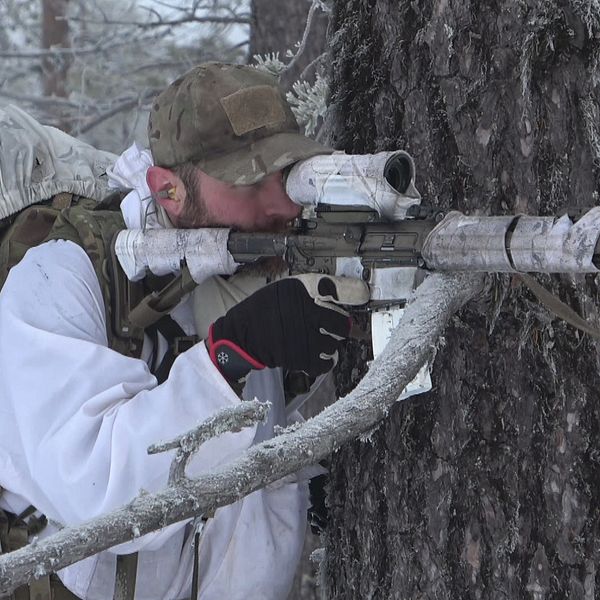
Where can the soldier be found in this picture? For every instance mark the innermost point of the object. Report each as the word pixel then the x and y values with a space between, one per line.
pixel 80 407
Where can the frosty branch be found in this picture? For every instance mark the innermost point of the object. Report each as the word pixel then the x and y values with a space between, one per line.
pixel 301 48
pixel 413 342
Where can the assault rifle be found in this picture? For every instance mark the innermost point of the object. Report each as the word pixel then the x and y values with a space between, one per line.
pixel 362 217
pixel 348 241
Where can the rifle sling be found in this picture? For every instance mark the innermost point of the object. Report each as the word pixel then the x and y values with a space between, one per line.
pixel 158 304
pixel 558 307
pixel 177 340
pixel 126 576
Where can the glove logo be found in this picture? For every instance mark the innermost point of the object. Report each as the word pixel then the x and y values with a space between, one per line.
pixel 222 358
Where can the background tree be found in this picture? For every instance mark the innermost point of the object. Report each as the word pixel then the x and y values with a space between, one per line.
pixel 102 61
pixel 55 34
pixel 92 67
pixel 487 487
pixel 279 27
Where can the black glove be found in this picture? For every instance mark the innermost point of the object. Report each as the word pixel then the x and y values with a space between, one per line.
pixel 293 323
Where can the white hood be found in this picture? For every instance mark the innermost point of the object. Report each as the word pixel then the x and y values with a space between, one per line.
pixel 138 207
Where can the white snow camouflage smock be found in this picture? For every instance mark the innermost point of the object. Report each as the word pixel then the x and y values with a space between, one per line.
pixel 76 417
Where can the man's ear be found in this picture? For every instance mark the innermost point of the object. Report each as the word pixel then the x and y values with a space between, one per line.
pixel 167 190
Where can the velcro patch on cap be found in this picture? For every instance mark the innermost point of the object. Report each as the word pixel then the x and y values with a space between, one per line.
pixel 254 107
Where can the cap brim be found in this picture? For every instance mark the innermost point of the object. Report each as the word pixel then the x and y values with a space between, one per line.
pixel 268 155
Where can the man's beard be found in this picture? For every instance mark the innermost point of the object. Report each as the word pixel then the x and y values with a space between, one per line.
pixel 195 215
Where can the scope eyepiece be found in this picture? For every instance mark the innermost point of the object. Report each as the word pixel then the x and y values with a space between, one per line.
pixel 398 172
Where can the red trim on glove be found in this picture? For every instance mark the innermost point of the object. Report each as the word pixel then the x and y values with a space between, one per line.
pixel 213 346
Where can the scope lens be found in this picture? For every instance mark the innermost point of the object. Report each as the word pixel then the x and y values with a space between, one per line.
pixel 398 173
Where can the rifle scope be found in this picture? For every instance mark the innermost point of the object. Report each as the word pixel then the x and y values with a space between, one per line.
pixel 398 172
pixel 383 182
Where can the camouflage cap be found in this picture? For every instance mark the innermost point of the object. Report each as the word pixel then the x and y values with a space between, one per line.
pixel 232 120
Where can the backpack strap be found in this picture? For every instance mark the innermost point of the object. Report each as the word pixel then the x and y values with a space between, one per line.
pixel 93 226
pixel 15 531
pixel 28 229
pixel 130 310
pixel 177 340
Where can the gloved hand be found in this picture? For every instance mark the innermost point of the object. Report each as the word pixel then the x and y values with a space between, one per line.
pixel 295 323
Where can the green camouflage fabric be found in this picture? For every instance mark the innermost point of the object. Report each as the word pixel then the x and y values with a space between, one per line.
pixel 232 121
pixel 93 228
pixel 28 229
pixel 37 162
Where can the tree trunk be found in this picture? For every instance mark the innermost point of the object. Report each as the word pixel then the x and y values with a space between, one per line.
pixel 279 26
pixel 55 34
pixel 487 487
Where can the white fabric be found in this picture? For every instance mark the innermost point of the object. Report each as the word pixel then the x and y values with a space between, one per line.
pixel 138 207
pixel 76 419
pixel 38 161
pixel 74 444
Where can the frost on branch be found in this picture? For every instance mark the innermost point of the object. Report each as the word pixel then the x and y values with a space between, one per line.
pixel 269 63
pixel 231 419
pixel 309 102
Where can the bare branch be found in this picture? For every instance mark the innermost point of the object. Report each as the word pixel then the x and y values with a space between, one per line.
pixel 302 47
pixel 233 419
pixel 170 23
pixel 310 65
pixel 41 101
pixel 411 345
pixel 105 46
pixel 118 108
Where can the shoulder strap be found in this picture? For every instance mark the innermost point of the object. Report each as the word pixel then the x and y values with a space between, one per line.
pixel 126 576
pixel 93 226
pixel 27 230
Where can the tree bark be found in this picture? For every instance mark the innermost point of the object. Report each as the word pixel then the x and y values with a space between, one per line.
pixel 487 487
pixel 279 26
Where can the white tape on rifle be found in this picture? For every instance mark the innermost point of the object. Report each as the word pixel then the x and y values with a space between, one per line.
pixel 514 243
pixel 163 250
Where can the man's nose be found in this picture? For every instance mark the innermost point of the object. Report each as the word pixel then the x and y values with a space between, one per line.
pixel 282 205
